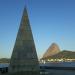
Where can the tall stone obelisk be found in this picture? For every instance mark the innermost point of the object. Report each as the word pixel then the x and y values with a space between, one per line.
pixel 24 56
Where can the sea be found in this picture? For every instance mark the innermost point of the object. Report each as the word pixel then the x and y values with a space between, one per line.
pixel 4 65
pixel 54 72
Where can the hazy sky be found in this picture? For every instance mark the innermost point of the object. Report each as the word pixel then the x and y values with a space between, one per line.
pixel 51 21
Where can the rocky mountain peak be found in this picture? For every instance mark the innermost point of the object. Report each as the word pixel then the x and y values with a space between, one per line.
pixel 52 50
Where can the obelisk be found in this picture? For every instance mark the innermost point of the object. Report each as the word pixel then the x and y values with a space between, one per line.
pixel 24 57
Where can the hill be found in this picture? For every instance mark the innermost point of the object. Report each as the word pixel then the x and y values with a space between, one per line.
pixel 63 54
pixel 52 50
pixel 4 60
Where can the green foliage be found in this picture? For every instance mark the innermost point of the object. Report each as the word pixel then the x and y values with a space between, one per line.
pixel 64 54
pixel 4 60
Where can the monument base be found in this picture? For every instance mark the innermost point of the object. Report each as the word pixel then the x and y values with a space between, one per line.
pixel 25 73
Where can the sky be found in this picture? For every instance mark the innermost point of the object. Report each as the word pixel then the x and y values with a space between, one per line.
pixel 52 21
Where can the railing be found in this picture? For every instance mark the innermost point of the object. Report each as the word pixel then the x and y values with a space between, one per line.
pixel 4 70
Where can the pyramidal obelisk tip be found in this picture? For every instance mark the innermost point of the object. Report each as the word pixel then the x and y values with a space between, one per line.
pixel 24 56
